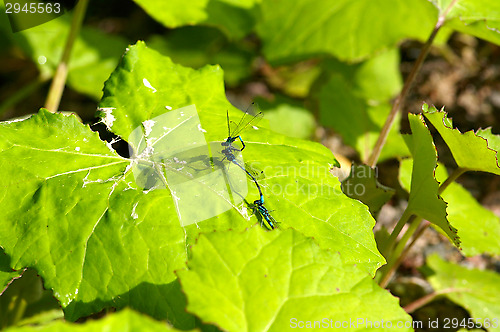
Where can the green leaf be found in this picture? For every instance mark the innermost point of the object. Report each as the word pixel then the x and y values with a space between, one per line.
pixel 197 46
pixel 98 228
pixel 424 200
pixel 480 18
pixel 475 290
pixel 297 80
pixel 125 320
pixel 296 172
pixel 479 227
pixel 356 108
pixel 493 140
pixel 93 57
pixel 303 28
pixel 288 117
pixel 362 185
pixel 269 281
pixel 175 13
pixel 6 273
pixel 67 208
pixel 471 150
pixel 298 184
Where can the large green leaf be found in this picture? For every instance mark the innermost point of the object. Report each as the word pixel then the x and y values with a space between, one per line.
pixel 125 320
pixel 356 108
pixel 274 281
pixel 93 57
pixel 471 151
pixel 479 228
pixel 480 18
pixel 477 291
pixel 348 30
pixel 424 200
pixel 67 209
pixel 297 177
pixel 101 234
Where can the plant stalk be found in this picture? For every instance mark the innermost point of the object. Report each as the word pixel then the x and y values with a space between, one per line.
pixel 417 304
pixel 399 253
pixel 399 102
pixel 59 80
pixel 454 175
pixel 406 217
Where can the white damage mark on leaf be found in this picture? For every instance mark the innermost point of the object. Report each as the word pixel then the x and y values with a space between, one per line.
pixel 179 161
pixel 148 85
pixel 12 121
pixel 168 108
pixel 77 148
pixel 148 127
pixel 174 197
pixel 85 140
pixel 244 212
pixel 147 191
pixel 201 129
pixel 146 153
pixel 134 214
pixel 109 118
pixel 255 128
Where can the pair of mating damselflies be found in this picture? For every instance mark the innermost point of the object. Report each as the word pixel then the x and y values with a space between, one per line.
pixel 228 151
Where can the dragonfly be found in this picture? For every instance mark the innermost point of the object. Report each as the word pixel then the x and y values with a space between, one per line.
pixel 234 134
pixel 266 217
pixel 228 151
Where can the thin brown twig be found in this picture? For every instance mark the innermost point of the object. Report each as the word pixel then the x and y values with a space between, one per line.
pixel 429 298
pixel 399 102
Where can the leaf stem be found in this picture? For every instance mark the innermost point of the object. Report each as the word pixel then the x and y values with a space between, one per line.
pixel 406 217
pixel 454 175
pixel 399 102
pixel 402 250
pixel 399 254
pixel 59 80
pixel 417 304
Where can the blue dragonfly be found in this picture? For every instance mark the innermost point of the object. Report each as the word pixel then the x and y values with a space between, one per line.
pixel 234 134
pixel 266 217
pixel 229 150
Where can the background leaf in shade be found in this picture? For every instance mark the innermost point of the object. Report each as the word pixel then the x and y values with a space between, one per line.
pixel 362 184
pixel 356 107
pixel 304 29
